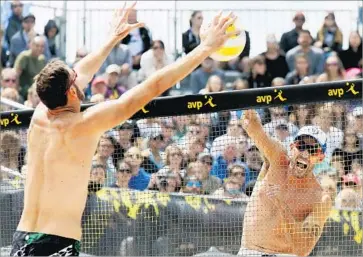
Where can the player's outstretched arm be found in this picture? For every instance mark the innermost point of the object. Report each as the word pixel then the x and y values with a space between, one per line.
pixel 270 148
pixel 109 114
pixel 89 65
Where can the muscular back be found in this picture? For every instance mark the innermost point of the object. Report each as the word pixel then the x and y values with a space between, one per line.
pixel 57 174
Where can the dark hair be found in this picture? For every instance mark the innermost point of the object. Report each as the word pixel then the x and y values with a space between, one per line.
pixel 192 16
pixel 51 24
pixel 158 41
pixel 52 84
pixel 304 31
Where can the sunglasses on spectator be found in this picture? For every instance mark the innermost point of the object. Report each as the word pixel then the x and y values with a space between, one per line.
pixel 208 162
pixel 10 80
pixel 312 149
pixel 194 132
pixel 194 184
pixel 125 170
pixel 242 174
pixel 136 156
pixel 175 154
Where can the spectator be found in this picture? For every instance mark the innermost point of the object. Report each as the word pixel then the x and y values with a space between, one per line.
pixel 51 30
pixel 123 175
pixel 114 89
pixel 97 178
pixel 348 199
pixel 193 148
pixel 302 115
pixel 209 183
pixel 334 70
pixel 214 84
pixel 349 150
pixel 352 57
pixel 3 55
pixel 329 186
pixel 240 84
pixel 128 77
pixel 33 98
pixel 254 162
pixel 80 54
pixel 99 86
pixel 105 151
pixel 228 156
pixel 289 40
pixel 138 40
pixel 352 181
pixel 153 60
pixel 29 63
pixel 357 123
pixel 119 55
pixel 192 185
pixel 315 55
pixel 340 115
pixel 123 136
pixel 153 156
pixel 279 116
pixel 21 39
pixel 10 94
pixel 10 150
pixel 275 60
pixel 15 21
pixel 9 78
pixel 190 38
pixel 140 178
pixel 301 70
pixel 230 189
pixel 278 82
pixel 237 172
pixel 258 77
pixel 335 136
pixel 282 134
pixel 173 161
pixel 330 37
pixel 199 77
pixel 167 131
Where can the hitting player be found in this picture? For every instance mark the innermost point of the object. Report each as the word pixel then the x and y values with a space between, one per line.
pixel 288 208
pixel 62 140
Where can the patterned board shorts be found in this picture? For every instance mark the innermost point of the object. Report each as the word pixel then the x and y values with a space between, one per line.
pixel 39 244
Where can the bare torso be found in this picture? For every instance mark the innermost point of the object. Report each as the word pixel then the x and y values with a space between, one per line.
pixel 58 171
pixel 263 227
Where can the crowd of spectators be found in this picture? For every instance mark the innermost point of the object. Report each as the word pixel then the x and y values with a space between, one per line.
pixel 206 153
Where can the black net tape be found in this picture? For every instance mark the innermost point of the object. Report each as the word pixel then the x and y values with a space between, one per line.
pixel 197 170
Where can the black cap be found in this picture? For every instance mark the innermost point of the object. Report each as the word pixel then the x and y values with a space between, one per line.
pixel 29 16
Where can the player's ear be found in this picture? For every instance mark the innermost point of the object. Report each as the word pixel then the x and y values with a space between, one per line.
pixel 72 93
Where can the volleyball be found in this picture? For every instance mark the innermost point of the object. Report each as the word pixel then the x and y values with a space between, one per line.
pixel 234 45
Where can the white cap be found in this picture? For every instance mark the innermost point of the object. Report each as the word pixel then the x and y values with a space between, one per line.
pixel 315 132
pixel 357 111
pixel 113 68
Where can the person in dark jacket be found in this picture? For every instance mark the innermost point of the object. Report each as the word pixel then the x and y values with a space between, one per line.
pixel 289 39
pixel 258 77
pixel 51 30
pixel 191 37
pixel 352 57
pixel 139 40
pixel 15 21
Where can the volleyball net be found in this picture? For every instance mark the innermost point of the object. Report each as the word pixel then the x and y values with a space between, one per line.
pixel 181 175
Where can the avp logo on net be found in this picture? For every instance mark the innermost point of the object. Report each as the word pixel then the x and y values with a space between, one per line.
pixel 339 92
pixel 268 98
pixel 199 104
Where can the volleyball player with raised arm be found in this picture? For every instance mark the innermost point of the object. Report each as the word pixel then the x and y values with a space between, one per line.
pixel 288 208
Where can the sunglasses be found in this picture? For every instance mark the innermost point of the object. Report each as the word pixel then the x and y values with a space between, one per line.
pixel 238 174
pixel 10 80
pixel 194 132
pixel 312 149
pixel 194 183
pixel 136 156
pixel 125 170
pixel 208 162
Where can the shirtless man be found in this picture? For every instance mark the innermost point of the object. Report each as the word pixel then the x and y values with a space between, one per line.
pixel 62 140
pixel 288 208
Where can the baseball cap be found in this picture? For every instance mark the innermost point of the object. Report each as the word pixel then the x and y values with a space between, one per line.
pixel 205 155
pixel 113 68
pixel 316 133
pixel 98 80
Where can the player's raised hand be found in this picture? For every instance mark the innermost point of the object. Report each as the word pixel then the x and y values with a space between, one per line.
pixel 120 27
pixel 215 35
pixel 250 117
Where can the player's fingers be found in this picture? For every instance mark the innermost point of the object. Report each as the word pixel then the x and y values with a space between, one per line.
pixel 216 18
pixel 235 33
pixel 137 25
pixel 231 21
pixel 121 10
pixel 225 19
pixel 129 10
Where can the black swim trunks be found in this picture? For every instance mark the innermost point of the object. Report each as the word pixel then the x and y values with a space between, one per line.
pixel 39 244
